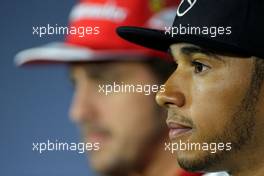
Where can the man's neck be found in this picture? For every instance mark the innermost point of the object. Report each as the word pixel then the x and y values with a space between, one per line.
pixel 249 163
pixel 255 171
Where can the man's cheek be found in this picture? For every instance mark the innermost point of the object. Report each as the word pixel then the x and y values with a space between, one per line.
pixel 225 92
pixel 207 120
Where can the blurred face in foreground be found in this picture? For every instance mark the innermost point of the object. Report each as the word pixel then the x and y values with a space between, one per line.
pixel 215 99
pixel 127 126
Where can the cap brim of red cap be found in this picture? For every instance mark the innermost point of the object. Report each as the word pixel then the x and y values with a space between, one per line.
pixel 59 52
pixel 158 40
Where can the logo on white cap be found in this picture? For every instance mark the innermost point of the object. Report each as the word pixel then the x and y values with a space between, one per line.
pixel 183 10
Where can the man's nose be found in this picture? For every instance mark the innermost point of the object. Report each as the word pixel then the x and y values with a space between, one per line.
pixel 82 108
pixel 172 94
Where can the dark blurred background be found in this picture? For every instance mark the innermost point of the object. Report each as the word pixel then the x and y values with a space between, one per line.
pixel 34 101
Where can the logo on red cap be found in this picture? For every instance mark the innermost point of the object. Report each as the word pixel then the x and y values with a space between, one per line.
pixel 100 11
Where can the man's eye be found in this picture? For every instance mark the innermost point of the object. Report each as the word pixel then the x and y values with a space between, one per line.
pixel 199 67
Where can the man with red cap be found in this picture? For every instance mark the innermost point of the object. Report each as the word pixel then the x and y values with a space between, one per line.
pixel 127 127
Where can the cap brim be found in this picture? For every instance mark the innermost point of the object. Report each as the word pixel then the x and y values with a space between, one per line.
pixel 59 52
pixel 158 40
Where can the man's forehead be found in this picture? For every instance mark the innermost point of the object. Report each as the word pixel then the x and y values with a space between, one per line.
pixel 103 68
pixel 178 46
pixel 187 49
pixel 91 65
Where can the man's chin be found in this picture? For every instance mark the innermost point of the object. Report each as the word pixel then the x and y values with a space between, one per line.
pixel 99 164
pixel 197 161
pixel 188 160
pixel 108 166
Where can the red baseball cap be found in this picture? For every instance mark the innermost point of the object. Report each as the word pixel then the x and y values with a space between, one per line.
pixel 91 34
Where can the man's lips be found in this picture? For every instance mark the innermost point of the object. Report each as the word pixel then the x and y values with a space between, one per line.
pixel 97 137
pixel 178 129
pixel 96 134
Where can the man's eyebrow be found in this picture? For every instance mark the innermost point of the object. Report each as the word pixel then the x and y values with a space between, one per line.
pixel 104 71
pixel 190 50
